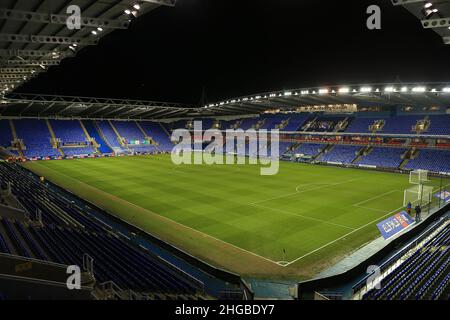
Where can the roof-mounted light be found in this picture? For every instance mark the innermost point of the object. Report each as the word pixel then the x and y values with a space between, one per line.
pixel 419 89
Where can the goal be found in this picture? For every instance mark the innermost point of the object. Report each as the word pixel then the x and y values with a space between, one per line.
pixel 418 177
pixel 418 194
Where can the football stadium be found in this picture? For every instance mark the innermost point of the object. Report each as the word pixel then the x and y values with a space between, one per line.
pixel 331 192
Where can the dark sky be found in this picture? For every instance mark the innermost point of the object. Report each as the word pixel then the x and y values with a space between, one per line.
pixel 241 47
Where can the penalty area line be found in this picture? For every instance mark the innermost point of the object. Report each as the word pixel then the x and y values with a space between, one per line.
pixel 376 197
pixel 342 237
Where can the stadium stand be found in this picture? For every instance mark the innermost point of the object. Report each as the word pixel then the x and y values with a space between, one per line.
pixel 439 124
pixel 67 234
pixel 73 140
pixel 130 131
pixel 422 274
pixel 360 125
pixel 248 123
pixel 295 122
pixel 36 137
pixel 272 121
pixel 323 124
pixel 401 124
pixel 383 157
pixel 109 135
pixel 158 134
pixel 93 133
pixel 155 137
pixel 6 136
pixel 341 154
pixel 309 149
pixel 433 160
pixel 285 147
pixel 69 131
pixel 170 126
pixel 206 123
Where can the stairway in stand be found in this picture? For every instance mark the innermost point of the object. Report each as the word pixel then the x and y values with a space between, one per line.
pixel 52 133
pixel 14 134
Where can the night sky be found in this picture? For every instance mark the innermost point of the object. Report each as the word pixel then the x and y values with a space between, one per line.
pixel 230 48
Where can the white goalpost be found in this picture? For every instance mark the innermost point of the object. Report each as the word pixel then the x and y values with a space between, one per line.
pixel 419 193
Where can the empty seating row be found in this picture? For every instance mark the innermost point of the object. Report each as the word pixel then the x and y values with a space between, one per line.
pixel 36 137
pixel 67 233
pixel 383 157
pixel 68 131
pixel 422 275
pixel 432 160
pixel 309 149
pixel 341 154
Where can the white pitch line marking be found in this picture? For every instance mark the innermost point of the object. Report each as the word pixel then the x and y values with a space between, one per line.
pixel 205 235
pixel 345 235
pixel 373 198
pixel 372 209
pixel 305 217
pixel 342 237
pixel 279 263
pixel 307 190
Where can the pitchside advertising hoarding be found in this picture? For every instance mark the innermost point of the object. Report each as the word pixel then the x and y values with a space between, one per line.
pixel 444 196
pixel 395 224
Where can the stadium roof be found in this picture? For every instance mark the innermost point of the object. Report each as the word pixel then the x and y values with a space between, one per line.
pixel 433 14
pixel 34 34
pixel 424 94
pixel 385 95
pixel 48 106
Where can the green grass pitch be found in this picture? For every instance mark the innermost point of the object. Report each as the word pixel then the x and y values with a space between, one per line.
pixel 292 224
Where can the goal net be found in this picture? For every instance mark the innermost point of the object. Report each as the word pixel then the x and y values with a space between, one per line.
pixel 418 195
pixel 418 176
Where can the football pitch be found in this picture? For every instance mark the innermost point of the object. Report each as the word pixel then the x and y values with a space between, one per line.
pixel 293 224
